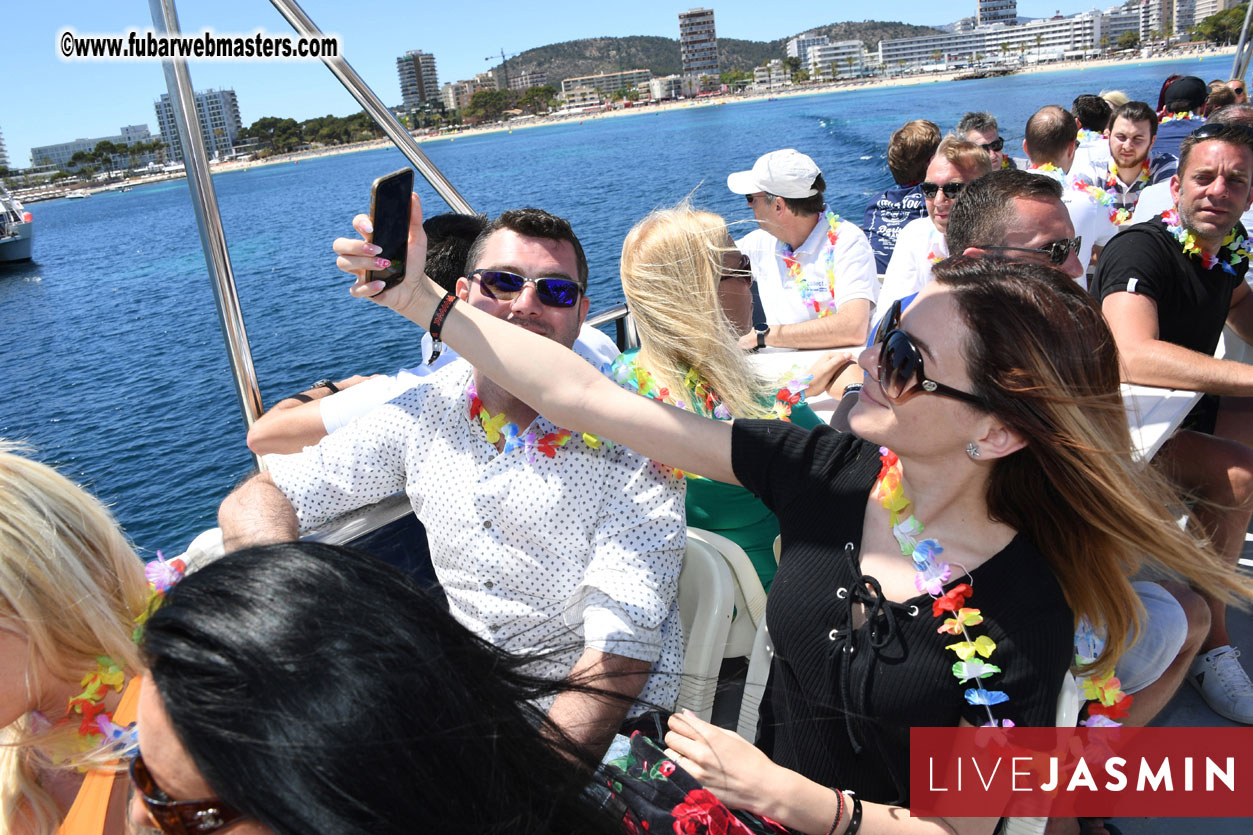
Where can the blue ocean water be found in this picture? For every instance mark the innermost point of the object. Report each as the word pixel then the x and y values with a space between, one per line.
pixel 109 340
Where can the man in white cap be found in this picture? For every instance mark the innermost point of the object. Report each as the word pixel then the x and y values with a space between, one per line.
pixel 815 273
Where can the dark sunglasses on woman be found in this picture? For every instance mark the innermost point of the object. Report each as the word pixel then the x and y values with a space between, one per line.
pixel 506 286
pixel 900 365
pixel 179 817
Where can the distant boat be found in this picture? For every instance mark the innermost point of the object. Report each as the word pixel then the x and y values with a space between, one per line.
pixel 82 194
pixel 16 229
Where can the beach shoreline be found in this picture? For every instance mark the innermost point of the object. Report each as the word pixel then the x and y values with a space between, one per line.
pixel 710 101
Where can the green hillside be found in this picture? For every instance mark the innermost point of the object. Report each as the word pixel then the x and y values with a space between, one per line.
pixel 590 56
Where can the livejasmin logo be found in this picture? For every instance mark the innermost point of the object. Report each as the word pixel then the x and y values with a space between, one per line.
pixel 1081 772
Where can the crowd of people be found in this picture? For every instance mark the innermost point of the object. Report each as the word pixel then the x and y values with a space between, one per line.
pixel 979 468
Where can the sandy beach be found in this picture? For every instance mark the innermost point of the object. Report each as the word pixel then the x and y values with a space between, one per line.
pixel 1220 58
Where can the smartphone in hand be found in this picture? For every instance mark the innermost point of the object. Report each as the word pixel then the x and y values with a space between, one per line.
pixel 389 214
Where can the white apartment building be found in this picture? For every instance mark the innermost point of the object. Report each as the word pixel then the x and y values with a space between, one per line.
pixel 772 74
pixel 1057 37
pixel 218 114
pixel 799 46
pixel 58 155
pixel 673 86
pixel 607 83
pixel 527 79
pixel 996 11
pixel 4 155
pixel 698 41
pixel 418 80
pixel 832 60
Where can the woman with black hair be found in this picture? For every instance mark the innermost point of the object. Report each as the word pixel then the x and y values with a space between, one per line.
pixel 309 689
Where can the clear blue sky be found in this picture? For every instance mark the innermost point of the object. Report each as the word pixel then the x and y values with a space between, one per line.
pixel 46 100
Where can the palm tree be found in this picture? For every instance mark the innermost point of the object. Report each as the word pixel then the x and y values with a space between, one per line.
pixel 1038 38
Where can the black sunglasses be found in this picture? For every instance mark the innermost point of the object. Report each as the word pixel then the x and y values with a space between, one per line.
pixel 751 197
pixel 1057 251
pixel 506 286
pixel 744 272
pixel 179 817
pixel 900 363
pixel 951 190
pixel 1221 130
pixel 995 145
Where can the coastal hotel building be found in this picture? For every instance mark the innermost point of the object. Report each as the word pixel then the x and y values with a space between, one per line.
pixel 993 32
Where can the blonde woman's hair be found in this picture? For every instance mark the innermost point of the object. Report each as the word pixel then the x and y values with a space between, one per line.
pixel 1042 357
pixel 671 266
pixel 71 584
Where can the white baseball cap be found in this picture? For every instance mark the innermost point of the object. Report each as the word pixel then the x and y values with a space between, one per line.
pixel 787 173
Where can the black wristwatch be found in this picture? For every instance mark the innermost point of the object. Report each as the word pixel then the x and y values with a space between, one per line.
pixel 326 383
pixel 761 338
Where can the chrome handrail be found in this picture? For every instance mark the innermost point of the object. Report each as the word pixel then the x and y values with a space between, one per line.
pixel 209 220
pixel 376 110
pixel 1244 49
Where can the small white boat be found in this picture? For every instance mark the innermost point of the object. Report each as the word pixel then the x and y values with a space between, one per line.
pixel 78 195
pixel 16 229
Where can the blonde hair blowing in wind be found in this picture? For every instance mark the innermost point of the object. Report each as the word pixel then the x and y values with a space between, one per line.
pixel 671 266
pixel 72 585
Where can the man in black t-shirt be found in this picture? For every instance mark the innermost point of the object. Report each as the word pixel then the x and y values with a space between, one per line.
pixel 1167 287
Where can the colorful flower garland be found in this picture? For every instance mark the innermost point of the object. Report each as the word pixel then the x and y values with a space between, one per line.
pixel 932 573
pixel 1232 252
pixel 96 728
pixel 812 298
pixel 626 371
pixel 1185 116
pixel 1086 135
pixel 1122 214
pixel 497 426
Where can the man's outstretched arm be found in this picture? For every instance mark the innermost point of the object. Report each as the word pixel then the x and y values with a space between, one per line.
pixel 295 422
pixel 257 513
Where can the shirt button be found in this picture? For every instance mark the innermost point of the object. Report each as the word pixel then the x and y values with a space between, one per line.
pixel 489 585
pixel 487 524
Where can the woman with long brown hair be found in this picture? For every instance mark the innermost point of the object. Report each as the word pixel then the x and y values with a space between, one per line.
pixel 991 468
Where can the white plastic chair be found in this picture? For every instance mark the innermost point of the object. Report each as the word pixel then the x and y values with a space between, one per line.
pixel 755 683
pixel 706 598
pixel 750 597
pixel 1068 704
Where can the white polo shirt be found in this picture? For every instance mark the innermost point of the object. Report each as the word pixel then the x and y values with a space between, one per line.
pixel 833 273
pixel 919 246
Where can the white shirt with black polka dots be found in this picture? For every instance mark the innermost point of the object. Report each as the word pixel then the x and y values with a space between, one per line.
pixel 580 550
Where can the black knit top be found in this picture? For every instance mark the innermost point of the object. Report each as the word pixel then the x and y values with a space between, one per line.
pixel 840 701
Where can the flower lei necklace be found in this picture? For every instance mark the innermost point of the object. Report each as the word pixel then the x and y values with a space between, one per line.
pixel 812 296
pixel 1185 116
pixel 932 573
pixel 498 426
pixel 628 373
pixel 96 728
pixel 1233 249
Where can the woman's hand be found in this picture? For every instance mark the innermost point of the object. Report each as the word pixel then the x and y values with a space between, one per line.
pixel 724 762
pixel 827 370
pixel 357 256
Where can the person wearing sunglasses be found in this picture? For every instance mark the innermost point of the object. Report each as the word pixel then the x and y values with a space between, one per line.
pixel 1050 143
pixel 1240 88
pixel 996 401
pixel 815 273
pixel 1168 286
pixel 71 587
pixel 981 128
pixel 541 536
pixel 921 244
pixel 303 419
pixel 689 291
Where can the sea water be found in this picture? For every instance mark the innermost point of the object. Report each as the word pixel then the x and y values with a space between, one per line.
pixel 109 343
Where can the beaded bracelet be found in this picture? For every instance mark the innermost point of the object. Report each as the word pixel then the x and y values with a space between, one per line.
pixel 854 820
pixel 839 811
pixel 437 326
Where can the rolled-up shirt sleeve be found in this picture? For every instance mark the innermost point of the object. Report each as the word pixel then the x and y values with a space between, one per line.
pixel 630 587
pixel 360 464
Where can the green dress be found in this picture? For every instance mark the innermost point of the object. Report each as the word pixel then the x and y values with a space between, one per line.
pixel 729 509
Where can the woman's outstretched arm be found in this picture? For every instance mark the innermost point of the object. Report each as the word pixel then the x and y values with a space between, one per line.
pixel 546 375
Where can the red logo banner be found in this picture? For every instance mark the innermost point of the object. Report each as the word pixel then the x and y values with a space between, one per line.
pixel 1081 772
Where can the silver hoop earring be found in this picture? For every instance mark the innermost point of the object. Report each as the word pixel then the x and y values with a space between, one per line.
pixel 972 449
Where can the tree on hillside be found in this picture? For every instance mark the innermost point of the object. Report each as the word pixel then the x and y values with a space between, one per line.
pixel 489 105
pixel 538 99
pixel 792 64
